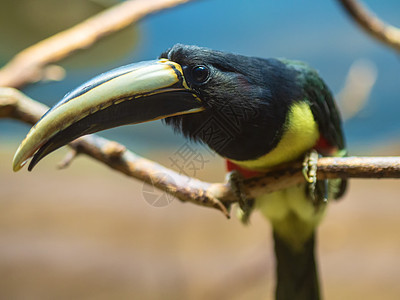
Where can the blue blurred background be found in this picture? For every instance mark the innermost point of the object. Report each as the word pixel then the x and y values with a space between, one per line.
pixel 318 32
pixel 89 233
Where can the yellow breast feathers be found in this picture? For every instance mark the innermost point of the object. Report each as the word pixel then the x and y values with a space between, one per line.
pixel 300 134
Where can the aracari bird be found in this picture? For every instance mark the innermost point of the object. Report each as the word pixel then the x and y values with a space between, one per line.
pixel 256 113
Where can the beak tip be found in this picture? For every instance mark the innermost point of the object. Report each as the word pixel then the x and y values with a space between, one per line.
pixel 19 160
pixel 17 165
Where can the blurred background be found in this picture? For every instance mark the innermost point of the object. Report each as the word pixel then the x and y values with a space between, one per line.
pixel 88 232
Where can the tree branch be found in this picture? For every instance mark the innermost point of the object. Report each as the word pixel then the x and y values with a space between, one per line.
pixel 374 26
pixel 15 105
pixel 29 65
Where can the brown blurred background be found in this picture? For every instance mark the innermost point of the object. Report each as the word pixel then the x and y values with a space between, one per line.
pixel 87 233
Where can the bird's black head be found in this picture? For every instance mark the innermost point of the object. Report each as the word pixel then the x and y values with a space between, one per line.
pixel 244 114
pixel 236 105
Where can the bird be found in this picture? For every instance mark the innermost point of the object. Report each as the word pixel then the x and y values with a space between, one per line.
pixel 256 113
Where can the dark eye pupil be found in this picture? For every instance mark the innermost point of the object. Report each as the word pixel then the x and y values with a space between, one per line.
pixel 200 74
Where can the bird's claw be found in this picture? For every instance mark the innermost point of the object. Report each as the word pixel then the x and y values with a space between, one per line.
pixel 246 204
pixel 310 174
pixel 310 166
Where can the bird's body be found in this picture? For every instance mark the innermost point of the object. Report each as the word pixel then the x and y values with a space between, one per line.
pixel 256 113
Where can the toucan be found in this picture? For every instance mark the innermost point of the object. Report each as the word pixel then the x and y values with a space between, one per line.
pixel 256 113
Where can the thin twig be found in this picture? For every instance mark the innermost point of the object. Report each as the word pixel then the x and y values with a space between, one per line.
pixel 28 66
pixel 15 105
pixel 69 157
pixel 386 33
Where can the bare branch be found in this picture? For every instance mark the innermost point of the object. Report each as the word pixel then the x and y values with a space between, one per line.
pixel 328 167
pixel 69 157
pixel 374 26
pixel 15 105
pixel 30 65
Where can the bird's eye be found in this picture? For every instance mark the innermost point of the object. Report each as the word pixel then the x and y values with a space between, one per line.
pixel 200 74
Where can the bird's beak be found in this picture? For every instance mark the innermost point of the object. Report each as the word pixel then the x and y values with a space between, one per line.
pixel 132 94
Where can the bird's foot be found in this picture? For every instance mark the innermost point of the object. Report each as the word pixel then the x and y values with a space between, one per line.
pixel 310 174
pixel 235 180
